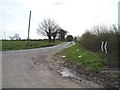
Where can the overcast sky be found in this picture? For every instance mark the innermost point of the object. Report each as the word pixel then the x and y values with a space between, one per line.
pixel 75 16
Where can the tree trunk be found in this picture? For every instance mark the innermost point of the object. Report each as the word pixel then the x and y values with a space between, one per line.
pixel 53 39
pixel 61 38
pixel 49 38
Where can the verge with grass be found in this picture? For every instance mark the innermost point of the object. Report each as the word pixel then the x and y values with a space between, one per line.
pixel 89 66
pixel 77 54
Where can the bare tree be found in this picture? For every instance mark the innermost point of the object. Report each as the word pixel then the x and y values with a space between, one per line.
pixel 117 30
pixel 55 33
pixel 62 34
pixel 48 28
pixel 11 38
pixel 15 37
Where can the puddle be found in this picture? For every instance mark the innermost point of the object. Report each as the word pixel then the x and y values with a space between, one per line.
pixel 65 72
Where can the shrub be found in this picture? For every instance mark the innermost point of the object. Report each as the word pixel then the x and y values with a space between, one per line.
pixel 69 38
pixel 91 40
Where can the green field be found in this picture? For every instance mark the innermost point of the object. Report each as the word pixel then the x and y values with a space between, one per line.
pixel 77 54
pixel 19 45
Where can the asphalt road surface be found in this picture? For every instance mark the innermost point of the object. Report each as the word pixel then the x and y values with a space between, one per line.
pixel 18 70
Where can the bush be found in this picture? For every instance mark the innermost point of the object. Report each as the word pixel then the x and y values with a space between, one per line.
pixel 69 38
pixel 91 40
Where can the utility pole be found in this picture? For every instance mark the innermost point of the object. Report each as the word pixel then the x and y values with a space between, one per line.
pixel 29 29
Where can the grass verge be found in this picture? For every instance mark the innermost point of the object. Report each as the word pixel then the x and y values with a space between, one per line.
pixel 77 54
pixel 19 45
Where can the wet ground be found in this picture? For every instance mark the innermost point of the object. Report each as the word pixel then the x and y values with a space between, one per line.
pixel 67 73
pixel 107 78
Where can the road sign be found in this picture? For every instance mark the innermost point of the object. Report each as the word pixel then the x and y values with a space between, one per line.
pixel 104 47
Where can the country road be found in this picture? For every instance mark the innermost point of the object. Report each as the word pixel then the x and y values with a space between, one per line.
pixel 37 68
pixel 18 70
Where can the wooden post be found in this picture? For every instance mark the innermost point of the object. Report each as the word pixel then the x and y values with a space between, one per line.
pixel 29 29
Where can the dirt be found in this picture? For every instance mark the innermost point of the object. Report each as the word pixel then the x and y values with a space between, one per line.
pixel 107 77
pixel 54 64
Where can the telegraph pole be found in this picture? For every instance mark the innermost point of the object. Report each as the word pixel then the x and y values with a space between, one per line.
pixel 29 29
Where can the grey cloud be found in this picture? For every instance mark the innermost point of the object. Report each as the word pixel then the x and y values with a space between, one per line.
pixel 58 3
